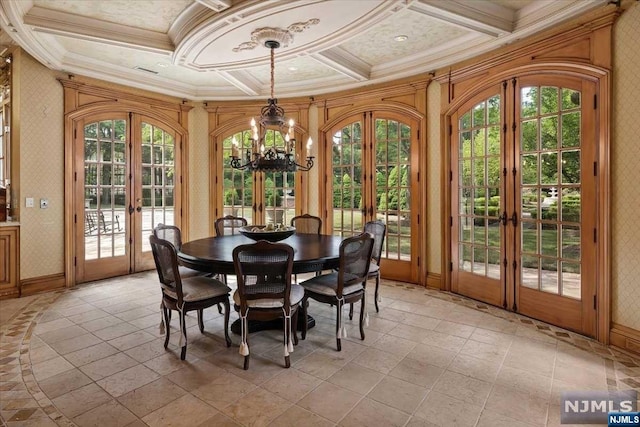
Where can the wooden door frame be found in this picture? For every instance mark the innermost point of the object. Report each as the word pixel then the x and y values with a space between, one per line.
pixel 394 110
pixel 83 100
pixel 601 77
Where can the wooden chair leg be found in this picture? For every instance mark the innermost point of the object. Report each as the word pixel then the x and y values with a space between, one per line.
pixel 219 308
pixel 227 308
pixel 351 311
pixel 167 329
pixel 305 303
pixel 294 326
pixel 338 325
pixel 183 353
pixel 362 303
pixel 246 358
pixel 200 321
pixel 376 293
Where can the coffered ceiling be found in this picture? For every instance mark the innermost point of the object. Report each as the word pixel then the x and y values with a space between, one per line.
pixel 211 49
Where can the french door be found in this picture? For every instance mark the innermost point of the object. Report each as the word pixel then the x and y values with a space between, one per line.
pixel 373 161
pixel 126 171
pixel 523 197
pixel 259 197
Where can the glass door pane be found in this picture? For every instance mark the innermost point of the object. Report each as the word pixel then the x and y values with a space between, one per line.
pixel 237 185
pixel 393 185
pixel 156 197
pixel 105 174
pixel 550 187
pixel 347 180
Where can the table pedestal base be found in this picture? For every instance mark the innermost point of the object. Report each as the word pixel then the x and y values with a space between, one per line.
pixel 261 325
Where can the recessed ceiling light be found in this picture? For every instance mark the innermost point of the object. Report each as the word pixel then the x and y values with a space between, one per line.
pixel 401 38
pixel 162 64
pixel 293 68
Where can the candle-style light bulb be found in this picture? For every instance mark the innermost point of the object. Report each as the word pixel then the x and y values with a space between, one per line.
pixel 286 138
pixel 234 146
pixel 291 123
pixel 309 143
pixel 262 148
pixel 253 122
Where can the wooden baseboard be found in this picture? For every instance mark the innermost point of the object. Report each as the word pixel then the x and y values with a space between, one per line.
pixel 41 284
pixel 11 293
pixel 434 280
pixel 624 337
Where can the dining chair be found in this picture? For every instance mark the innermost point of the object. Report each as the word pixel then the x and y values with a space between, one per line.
pixel 265 291
pixel 228 225
pixel 379 230
pixel 344 286
pixel 173 235
pixel 307 224
pixel 185 294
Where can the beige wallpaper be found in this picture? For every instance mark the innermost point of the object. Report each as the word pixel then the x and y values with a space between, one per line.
pixel 198 174
pixel 41 170
pixel 434 211
pixel 625 174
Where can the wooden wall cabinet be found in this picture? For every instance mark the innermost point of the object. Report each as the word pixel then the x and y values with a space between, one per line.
pixel 9 261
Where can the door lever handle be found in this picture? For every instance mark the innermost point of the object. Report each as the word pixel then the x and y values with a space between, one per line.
pixel 514 219
pixel 503 218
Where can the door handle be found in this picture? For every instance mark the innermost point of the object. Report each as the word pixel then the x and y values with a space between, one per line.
pixel 130 209
pixel 514 219
pixel 503 218
pixel 138 209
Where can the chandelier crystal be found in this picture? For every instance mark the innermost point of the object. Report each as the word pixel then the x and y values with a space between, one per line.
pixel 260 158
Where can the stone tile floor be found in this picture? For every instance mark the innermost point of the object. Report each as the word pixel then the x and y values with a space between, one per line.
pixel 93 356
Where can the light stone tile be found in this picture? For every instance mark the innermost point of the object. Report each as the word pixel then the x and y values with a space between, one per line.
pixel 447 411
pixel 417 372
pixel 395 345
pixel 258 407
pixel 295 416
pixel 223 390
pixel 110 414
pixel 330 401
pixel 370 412
pixel 506 401
pixel 115 331
pixel 101 323
pixel 321 364
pixel 356 378
pixel 134 339
pixel 491 419
pixel 88 316
pixel 536 385
pixel 61 334
pixel 148 398
pixel 90 354
pixel 455 329
pixel 108 366
pixel 484 351
pixel 51 367
pixel 378 360
pixel 74 344
pixel 44 327
pixel 128 380
pixel 81 400
pixel 433 355
pixel 444 341
pixel 42 354
pixel 219 420
pixel 185 411
pixel 292 384
pixel 148 350
pixel 168 362
pixel 398 394
pixel 196 374
pixel 467 389
pixel 481 369
pixel 64 383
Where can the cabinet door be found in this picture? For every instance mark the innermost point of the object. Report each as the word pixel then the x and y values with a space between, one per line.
pixel 9 283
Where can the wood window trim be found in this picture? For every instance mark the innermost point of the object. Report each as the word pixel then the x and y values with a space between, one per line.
pixel 582 51
pixel 85 99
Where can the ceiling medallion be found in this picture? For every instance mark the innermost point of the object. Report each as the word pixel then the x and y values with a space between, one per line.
pixel 260 35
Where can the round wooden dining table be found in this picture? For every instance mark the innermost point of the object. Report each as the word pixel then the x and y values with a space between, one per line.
pixel 312 252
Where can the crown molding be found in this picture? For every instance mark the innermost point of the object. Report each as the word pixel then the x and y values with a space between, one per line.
pixel 63 23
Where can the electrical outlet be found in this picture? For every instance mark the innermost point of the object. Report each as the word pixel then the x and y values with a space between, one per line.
pixel 29 202
pixel 44 203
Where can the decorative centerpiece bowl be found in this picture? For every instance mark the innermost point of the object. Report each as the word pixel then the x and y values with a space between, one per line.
pixel 264 232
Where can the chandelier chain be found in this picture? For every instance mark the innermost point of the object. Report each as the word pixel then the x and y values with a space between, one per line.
pixel 272 70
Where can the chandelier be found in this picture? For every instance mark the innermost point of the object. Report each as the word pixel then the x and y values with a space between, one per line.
pixel 260 158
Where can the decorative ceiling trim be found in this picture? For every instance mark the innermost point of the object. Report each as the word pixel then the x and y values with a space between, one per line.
pixel 217 5
pixel 483 17
pixel 343 62
pixel 261 35
pixel 242 80
pixel 63 23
